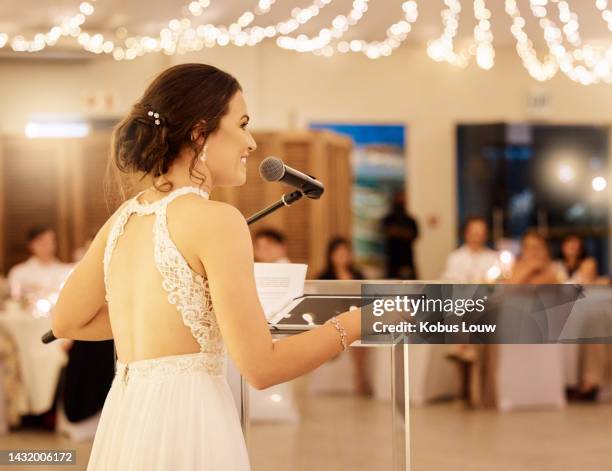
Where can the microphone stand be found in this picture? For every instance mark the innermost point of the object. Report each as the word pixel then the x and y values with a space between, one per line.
pixel 286 200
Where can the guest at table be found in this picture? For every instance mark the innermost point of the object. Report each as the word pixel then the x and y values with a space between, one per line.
pixel 595 360
pixel 534 265
pixel 42 274
pixel 340 266
pixel 472 262
pixel 270 246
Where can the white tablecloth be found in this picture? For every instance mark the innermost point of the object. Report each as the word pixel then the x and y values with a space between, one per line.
pixel 39 364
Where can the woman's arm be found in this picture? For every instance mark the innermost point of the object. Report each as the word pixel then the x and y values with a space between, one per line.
pixel 80 312
pixel 98 328
pixel 225 250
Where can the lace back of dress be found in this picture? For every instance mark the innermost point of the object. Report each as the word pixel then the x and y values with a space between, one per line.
pixel 186 289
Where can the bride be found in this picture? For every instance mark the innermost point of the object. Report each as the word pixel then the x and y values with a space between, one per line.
pixel 170 278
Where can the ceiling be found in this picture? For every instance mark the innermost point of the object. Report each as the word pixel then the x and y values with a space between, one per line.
pixel 140 17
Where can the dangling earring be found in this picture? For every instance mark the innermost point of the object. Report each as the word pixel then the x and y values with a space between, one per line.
pixel 203 155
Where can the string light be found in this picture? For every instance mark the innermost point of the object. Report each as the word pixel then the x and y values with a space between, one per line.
pixel 442 49
pixel 70 26
pixel 606 14
pixel 181 37
pixel 340 25
pixel 395 35
pixel 583 63
pixel 539 70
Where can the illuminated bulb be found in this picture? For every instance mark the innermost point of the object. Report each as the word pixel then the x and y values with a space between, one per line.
pixel 565 173
pixel 599 184
pixel 43 305
pixel 493 273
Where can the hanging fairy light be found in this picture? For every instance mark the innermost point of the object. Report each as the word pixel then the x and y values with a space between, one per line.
pixel 606 14
pixel 539 70
pixel 395 34
pixel 584 63
pixel 442 49
pixel 340 25
pixel 181 37
pixel 70 26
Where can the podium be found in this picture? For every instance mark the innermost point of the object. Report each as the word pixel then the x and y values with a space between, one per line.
pixel 332 296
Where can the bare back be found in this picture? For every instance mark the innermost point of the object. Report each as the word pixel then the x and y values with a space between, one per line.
pixel 157 292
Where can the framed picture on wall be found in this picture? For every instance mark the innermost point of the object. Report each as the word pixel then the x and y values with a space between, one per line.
pixel 379 171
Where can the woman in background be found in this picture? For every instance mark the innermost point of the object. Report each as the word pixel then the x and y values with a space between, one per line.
pixel 534 265
pixel 579 268
pixel 339 266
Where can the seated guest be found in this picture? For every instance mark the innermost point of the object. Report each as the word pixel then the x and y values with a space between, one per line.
pixel 577 266
pixel 534 265
pixel 471 262
pixel 42 274
pixel 340 266
pixel 595 360
pixel 270 246
pixel 479 362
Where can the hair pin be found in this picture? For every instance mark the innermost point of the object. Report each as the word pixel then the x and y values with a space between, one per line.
pixel 155 116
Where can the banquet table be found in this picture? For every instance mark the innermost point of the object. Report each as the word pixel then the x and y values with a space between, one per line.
pixel 40 364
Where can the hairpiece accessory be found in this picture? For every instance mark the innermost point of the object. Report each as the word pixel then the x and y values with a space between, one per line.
pixel 155 116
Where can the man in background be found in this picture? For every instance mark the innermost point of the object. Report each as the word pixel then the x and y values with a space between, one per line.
pixel 42 274
pixel 472 262
pixel 270 246
pixel 401 231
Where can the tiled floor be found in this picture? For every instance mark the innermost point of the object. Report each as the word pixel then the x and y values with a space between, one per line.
pixel 345 432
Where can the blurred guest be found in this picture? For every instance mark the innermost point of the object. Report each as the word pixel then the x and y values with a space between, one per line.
pixel 401 231
pixel 534 265
pixel 595 360
pixel 473 261
pixel 270 246
pixel 576 265
pixel 340 266
pixel 42 274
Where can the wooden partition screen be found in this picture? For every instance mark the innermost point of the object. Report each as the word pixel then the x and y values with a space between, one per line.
pixel 308 224
pixel 61 183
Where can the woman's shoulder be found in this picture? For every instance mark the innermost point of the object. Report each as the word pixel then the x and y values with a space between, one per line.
pixel 207 222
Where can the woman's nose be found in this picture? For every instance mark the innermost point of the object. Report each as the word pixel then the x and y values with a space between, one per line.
pixel 252 144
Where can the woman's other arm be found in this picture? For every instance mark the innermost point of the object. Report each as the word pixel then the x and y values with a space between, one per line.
pixel 225 250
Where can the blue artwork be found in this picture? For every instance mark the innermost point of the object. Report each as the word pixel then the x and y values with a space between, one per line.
pixel 379 171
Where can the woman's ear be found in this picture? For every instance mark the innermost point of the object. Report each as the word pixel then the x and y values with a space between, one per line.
pixel 198 133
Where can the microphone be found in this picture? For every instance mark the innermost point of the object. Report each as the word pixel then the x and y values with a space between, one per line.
pixel 272 169
pixel 48 337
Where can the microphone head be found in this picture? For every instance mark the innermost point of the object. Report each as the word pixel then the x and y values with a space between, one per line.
pixel 272 169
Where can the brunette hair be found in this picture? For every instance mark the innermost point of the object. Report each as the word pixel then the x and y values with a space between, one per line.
pixel 160 124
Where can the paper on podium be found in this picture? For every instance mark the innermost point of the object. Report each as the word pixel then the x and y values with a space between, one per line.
pixel 278 284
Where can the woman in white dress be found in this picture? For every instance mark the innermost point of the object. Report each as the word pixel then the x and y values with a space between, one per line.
pixel 170 278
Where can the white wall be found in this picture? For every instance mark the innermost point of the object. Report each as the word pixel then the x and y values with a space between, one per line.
pixel 285 89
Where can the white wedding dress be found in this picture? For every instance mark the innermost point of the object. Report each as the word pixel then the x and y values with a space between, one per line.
pixel 176 412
